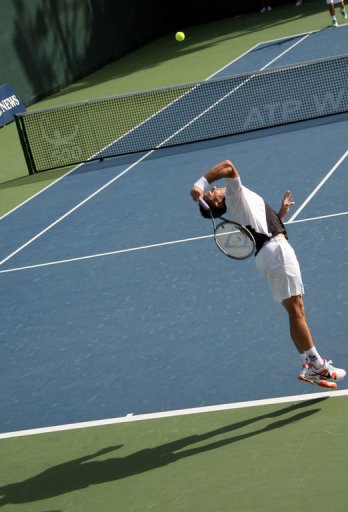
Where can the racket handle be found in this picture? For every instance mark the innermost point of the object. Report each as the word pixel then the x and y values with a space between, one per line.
pixel 204 205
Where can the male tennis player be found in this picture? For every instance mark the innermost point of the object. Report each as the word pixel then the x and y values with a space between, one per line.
pixel 275 259
pixel 332 5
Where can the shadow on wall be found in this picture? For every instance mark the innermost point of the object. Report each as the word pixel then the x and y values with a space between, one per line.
pixel 60 42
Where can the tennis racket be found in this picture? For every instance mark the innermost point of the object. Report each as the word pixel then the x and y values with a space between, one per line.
pixel 233 239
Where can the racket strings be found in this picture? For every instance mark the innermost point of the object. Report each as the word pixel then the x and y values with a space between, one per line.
pixel 234 241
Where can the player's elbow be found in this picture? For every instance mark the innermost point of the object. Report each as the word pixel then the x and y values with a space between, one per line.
pixel 231 169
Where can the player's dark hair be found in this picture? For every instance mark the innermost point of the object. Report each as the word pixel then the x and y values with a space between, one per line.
pixel 216 212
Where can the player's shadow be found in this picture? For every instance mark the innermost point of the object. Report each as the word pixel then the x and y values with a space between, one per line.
pixel 83 472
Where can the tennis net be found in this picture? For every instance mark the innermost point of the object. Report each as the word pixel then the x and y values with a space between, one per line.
pixel 97 129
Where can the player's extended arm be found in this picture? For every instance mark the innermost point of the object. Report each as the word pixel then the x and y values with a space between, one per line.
pixel 224 169
pixel 285 206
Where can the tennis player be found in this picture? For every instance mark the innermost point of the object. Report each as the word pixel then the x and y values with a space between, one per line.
pixel 332 4
pixel 275 259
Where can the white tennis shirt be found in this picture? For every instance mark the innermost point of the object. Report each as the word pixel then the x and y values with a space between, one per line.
pixel 249 209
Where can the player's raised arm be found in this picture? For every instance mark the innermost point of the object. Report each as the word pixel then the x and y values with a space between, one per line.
pixel 224 169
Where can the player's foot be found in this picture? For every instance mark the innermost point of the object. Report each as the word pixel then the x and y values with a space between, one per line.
pixel 326 376
pixel 269 8
pixel 298 3
pixel 263 9
pixel 334 23
pixel 344 14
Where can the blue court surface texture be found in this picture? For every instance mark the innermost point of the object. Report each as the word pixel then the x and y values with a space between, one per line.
pixel 115 300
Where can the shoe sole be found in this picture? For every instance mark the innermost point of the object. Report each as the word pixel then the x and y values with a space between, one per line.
pixel 320 383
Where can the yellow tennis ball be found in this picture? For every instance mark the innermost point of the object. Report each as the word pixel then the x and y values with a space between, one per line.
pixel 180 36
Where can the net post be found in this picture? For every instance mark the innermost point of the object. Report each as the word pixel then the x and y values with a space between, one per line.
pixel 25 144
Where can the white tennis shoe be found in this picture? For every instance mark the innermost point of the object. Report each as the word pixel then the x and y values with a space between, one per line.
pixel 326 376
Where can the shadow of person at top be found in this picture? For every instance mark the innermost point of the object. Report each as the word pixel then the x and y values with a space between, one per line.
pixel 83 472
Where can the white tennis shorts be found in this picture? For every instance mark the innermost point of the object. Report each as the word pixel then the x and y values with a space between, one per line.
pixel 278 263
pixel 333 2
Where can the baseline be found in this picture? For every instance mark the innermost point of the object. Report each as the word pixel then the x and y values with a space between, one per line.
pixel 180 412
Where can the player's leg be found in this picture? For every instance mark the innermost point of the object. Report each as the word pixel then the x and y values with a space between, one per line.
pixel 278 263
pixel 315 369
pixel 299 330
pixel 343 10
pixel 332 12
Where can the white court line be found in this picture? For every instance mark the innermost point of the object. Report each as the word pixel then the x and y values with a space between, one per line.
pixel 318 187
pixel 318 218
pixel 142 247
pixel 73 209
pixel 103 254
pixel 38 192
pixel 304 36
pixel 286 51
pixel 170 414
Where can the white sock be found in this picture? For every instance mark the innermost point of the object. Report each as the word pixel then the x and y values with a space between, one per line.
pixel 313 357
pixel 303 358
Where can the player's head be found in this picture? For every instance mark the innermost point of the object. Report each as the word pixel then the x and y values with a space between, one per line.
pixel 216 201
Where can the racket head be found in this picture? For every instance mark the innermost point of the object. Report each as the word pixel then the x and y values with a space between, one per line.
pixel 234 240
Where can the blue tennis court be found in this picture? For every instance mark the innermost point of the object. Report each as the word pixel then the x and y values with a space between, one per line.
pixel 115 300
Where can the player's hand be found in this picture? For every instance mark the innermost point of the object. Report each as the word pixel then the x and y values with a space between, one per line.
pixel 196 193
pixel 285 206
pixel 287 200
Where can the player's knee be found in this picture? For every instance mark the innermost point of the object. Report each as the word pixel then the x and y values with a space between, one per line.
pixel 295 307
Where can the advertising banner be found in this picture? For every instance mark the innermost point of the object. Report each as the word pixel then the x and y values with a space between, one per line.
pixel 10 104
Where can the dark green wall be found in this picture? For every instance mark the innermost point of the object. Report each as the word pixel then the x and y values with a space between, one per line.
pixel 48 44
